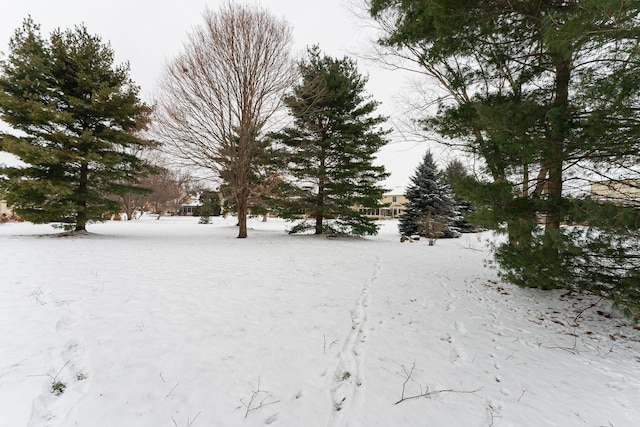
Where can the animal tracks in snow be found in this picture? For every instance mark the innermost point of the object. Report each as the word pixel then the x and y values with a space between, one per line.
pixel 347 386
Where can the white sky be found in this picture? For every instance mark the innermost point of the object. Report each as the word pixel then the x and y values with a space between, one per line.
pixel 147 33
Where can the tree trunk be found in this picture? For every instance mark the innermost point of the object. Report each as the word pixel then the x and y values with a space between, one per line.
pixel 525 180
pixel 320 200
pixel 241 202
pixel 559 126
pixel 554 191
pixel 81 217
pixel 81 221
pixel 319 220
pixel 158 211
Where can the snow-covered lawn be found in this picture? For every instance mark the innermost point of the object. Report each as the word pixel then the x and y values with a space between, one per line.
pixel 174 323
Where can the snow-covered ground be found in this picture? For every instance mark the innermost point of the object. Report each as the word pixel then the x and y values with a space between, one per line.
pixel 174 323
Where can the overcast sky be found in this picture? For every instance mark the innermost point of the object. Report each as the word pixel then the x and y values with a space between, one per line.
pixel 147 33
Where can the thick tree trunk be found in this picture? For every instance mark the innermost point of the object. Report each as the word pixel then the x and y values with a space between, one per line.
pixel 559 126
pixel 81 221
pixel 320 200
pixel 320 210
pixel 242 222
pixel 241 201
pixel 319 220
pixel 554 191
pixel 81 217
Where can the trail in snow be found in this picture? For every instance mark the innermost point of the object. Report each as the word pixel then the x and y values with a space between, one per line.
pixel 348 382
pixel 66 367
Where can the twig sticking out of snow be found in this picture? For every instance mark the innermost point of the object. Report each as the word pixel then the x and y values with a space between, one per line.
pixel 54 378
pixel 258 400
pixel 407 375
pixel 189 421
pixel 575 321
pixel 523 392
pixel 58 387
pixel 172 390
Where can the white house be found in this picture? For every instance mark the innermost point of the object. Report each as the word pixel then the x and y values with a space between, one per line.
pixel 623 192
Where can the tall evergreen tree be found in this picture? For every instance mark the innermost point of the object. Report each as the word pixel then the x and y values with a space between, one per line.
pixel 428 196
pixel 76 114
pixel 331 146
pixel 546 94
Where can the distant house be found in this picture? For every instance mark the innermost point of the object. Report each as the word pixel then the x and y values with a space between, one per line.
pixel 188 208
pixel 623 192
pixel 4 209
pixel 396 207
pixel 5 213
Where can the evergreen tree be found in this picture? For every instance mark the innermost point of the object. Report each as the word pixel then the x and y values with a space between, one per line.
pixel 76 115
pixel 429 196
pixel 546 94
pixel 209 206
pixel 455 175
pixel 331 146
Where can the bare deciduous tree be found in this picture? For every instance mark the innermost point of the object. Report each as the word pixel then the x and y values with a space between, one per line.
pixel 170 189
pixel 167 190
pixel 217 98
pixel 431 226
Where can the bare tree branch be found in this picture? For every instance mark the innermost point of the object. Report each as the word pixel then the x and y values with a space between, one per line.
pixel 219 96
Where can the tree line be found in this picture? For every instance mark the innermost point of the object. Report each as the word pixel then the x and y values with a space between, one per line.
pixel 542 94
pixel 85 135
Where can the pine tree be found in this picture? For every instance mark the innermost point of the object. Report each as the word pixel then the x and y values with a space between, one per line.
pixel 429 196
pixel 331 146
pixel 209 206
pixel 547 97
pixel 76 115
pixel 455 175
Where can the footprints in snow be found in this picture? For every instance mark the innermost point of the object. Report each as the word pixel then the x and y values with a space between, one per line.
pixel 347 387
pixel 459 356
pixel 460 327
pixel 457 352
pixel 65 372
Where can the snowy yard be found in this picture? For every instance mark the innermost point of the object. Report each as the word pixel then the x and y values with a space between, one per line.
pixel 172 323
